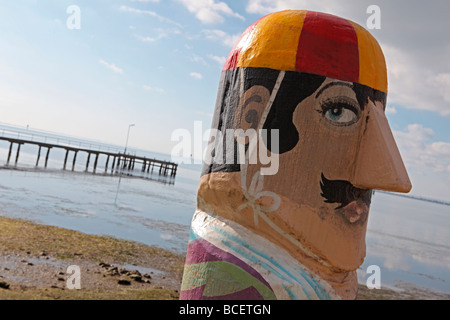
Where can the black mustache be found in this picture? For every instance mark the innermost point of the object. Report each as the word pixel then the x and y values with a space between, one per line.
pixel 343 192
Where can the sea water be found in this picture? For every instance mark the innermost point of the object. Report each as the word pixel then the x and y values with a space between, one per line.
pixel 408 239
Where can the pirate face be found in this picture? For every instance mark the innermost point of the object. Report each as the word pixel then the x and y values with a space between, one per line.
pixel 319 82
pixel 344 148
pixel 318 162
pixel 338 148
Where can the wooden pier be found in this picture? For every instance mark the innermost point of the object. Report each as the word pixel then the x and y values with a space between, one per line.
pixel 115 162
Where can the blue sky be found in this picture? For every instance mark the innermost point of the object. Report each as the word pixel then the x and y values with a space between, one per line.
pixel 157 63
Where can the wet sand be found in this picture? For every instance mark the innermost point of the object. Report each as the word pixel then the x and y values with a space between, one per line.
pixel 34 261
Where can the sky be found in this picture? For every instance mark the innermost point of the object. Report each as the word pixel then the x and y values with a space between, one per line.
pixel 91 71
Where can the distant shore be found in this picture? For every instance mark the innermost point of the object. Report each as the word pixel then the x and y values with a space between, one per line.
pixel 420 198
pixel 34 261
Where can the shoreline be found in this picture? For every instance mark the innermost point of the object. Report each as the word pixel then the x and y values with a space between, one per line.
pixel 34 261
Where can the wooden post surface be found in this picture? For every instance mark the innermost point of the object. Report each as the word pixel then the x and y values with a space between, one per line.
pixel 299 141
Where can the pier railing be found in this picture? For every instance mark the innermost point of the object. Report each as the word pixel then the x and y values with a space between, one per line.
pixel 116 161
pixel 48 138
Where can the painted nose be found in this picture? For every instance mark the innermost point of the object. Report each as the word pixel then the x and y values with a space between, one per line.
pixel 379 164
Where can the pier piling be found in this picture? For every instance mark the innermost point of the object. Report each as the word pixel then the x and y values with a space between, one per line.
pixel 38 156
pixel 74 160
pixel 46 157
pixel 9 153
pixel 65 159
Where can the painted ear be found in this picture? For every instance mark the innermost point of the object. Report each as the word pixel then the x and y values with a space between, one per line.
pixel 250 109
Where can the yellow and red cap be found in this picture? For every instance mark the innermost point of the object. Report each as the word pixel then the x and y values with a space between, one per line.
pixel 312 42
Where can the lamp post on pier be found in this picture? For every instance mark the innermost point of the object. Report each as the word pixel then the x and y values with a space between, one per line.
pixel 120 172
pixel 128 135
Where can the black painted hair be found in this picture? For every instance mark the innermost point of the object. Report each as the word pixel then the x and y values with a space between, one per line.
pixel 295 87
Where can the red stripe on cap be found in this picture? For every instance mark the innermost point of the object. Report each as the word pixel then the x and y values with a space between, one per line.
pixel 328 46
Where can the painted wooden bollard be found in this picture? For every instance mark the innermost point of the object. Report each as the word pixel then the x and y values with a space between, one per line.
pixel 285 217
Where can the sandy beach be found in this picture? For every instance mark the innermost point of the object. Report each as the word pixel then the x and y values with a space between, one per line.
pixel 34 261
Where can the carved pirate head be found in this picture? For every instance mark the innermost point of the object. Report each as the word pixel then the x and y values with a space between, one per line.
pixel 315 85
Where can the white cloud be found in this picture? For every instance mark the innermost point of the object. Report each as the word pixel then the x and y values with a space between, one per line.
pixel 442 82
pixel 418 69
pixel 420 153
pixel 151 39
pixel 159 33
pixel 111 66
pixel 219 60
pixel 197 59
pixel 155 1
pixel 138 11
pixel 414 85
pixel 149 13
pixel 222 37
pixel 267 6
pixel 201 113
pixel 390 110
pixel 196 75
pixel 154 89
pixel 210 11
pixel 441 148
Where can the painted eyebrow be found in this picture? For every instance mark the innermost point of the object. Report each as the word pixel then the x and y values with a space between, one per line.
pixel 333 84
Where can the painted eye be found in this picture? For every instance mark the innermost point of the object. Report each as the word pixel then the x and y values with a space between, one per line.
pixel 342 114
